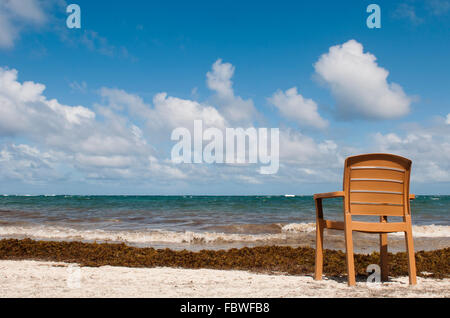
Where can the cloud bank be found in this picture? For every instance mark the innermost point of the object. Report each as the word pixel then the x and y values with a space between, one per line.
pixel 123 137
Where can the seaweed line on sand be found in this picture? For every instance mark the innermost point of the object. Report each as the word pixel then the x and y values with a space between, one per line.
pixel 267 259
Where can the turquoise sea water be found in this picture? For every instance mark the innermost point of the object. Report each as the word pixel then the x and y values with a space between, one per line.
pixel 185 219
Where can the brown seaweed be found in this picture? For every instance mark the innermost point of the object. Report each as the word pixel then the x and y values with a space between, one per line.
pixel 267 259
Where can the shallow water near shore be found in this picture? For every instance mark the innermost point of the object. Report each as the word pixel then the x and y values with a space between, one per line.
pixel 199 222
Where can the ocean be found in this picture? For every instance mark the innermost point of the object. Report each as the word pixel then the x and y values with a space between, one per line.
pixel 199 222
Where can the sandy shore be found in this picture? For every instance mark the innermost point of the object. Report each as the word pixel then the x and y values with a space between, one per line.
pixel 50 279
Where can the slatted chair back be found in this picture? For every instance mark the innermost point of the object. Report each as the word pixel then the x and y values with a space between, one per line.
pixel 377 184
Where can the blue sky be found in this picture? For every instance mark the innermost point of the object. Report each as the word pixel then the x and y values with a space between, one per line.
pixel 109 134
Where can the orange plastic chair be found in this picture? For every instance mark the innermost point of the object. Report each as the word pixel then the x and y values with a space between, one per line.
pixel 377 185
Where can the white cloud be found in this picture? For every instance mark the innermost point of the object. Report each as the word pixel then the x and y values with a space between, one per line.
pixel 359 85
pixel 165 169
pixel 166 113
pixel 104 143
pixel 28 164
pixel 176 112
pixel 8 32
pixel 305 160
pixel 169 112
pixel 219 79
pixel 119 99
pixel 15 15
pixel 298 148
pixel 447 121
pixel 294 106
pixel 234 108
pixel 428 148
pixel 26 9
pixel 105 161
pixel 25 110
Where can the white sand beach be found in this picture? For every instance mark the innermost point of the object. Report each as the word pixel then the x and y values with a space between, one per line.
pixel 48 279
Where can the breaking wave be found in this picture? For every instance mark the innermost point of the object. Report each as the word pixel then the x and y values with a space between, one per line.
pixel 251 233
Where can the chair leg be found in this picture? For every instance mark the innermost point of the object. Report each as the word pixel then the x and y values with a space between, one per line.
pixel 349 250
pixel 319 250
pixel 410 253
pixel 384 253
pixel 384 257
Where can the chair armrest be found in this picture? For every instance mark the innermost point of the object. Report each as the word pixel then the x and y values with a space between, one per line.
pixel 412 196
pixel 329 195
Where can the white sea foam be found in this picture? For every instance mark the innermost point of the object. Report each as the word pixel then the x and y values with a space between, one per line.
pixel 431 230
pixel 137 237
pixel 418 230
pixel 299 227
pixel 289 232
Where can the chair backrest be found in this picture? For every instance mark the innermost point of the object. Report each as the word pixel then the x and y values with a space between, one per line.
pixel 377 184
